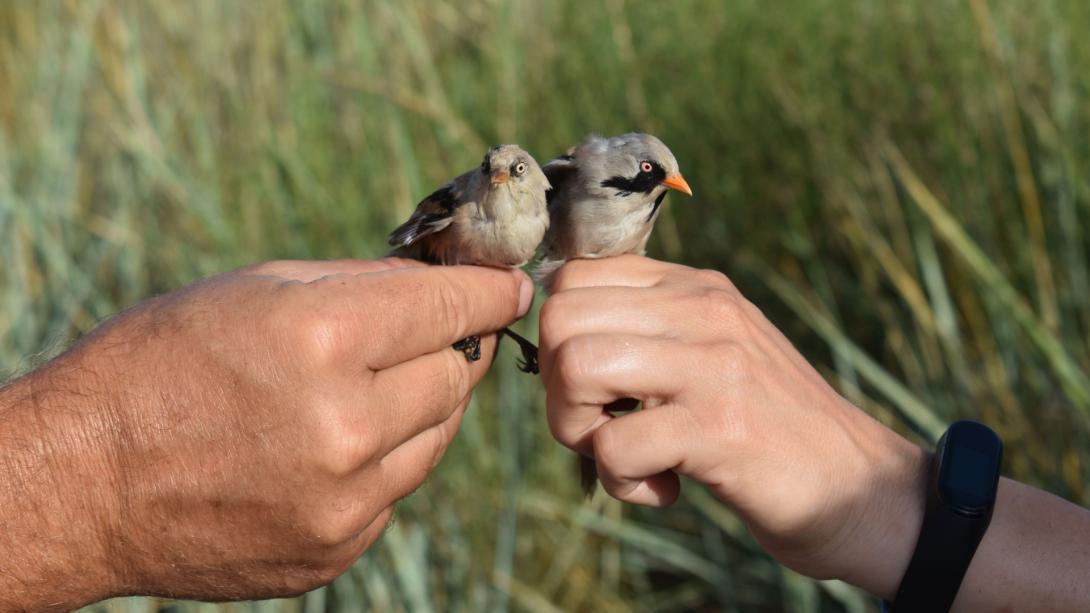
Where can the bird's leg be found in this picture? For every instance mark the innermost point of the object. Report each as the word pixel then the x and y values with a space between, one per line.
pixel 528 363
pixel 470 347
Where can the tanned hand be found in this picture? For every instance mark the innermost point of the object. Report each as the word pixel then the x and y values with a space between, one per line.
pixel 245 437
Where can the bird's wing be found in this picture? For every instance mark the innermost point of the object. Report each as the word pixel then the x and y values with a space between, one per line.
pixel 559 172
pixel 432 215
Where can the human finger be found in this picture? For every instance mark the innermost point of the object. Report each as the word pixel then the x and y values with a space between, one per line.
pixel 424 392
pixel 623 270
pixel 310 270
pixel 636 454
pixel 589 372
pixel 411 312
pixel 406 467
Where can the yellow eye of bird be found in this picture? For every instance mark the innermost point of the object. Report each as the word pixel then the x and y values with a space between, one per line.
pixel 520 168
pixel 645 166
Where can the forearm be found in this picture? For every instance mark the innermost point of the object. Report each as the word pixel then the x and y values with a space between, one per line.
pixel 52 494
pixel 1034 557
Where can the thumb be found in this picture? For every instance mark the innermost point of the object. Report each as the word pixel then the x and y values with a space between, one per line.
pixel 422 310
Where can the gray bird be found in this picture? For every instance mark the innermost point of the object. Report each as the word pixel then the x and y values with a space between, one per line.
pixel 494 215
pixel 606 195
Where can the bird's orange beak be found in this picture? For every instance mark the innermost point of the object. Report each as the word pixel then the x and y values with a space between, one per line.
pixel 501 177
pixel 678 182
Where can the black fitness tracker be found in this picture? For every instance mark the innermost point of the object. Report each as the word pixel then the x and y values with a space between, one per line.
pixel 960 498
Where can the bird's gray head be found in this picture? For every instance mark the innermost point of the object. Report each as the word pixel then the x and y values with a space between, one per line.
pixel 512 166
pixel 632 164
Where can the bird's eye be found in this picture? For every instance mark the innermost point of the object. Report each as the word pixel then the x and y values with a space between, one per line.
pixel 645 166
pixel 520 168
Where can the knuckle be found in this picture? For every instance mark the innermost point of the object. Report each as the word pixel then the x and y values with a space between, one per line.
pixel 335 523
pixel 625 490
pixel 342 456
pixel 343 446
pixel 570 368
pixel 450 303
pixel 720 306
pixel 271 267
pixel 346 557
pixel 608 449
pixel 360 448
pixel 551 318
pixel 433 445
pixel 699 277
pixel 439 442
pixel 456 373
pixel 713 278
pixel 566 426
pixel 314 339
pixel 567 276
pixel 556 413
pixel 300 582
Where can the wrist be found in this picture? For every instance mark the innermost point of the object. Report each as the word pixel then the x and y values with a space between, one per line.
pixel 879 545
pixel 57 490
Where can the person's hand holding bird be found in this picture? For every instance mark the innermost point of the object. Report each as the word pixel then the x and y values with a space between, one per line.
pixel 607 194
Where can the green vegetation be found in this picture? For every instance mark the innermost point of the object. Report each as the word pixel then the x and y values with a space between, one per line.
pixel 900 185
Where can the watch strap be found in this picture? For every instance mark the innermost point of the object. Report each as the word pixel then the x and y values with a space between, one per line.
pixel 961 495
pixel 943 553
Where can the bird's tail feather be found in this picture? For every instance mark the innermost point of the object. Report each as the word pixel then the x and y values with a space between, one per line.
pixel 544 270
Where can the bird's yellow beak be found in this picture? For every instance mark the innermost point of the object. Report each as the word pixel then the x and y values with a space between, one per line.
pixel 678 182
pixel 501 177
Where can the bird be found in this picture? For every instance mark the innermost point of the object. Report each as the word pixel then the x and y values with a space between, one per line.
pixel 606 194
pixel 494 215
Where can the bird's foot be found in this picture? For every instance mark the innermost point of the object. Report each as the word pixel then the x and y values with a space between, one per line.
pixel 470 347
pixel 528 364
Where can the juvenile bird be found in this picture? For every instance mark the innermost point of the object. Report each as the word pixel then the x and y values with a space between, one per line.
pixel 494 215
pixel 606 195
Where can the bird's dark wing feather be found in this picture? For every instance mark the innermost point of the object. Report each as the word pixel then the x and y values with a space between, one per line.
pixel 432 215
pixel 559 172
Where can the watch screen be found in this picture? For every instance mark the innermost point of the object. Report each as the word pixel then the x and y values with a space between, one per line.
pixel 970 467
pixel 970 472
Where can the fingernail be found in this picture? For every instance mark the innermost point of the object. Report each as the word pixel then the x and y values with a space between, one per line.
pixel 526 296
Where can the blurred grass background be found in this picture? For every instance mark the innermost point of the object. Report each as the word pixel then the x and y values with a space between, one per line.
pixel 901 186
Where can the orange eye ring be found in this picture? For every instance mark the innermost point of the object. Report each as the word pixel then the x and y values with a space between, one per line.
pixel 645 166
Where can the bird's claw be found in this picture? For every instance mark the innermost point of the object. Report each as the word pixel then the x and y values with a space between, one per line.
pixel 528 364
pixel 470 347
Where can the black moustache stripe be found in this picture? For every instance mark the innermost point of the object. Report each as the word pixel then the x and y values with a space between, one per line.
pixel 642 183
pixel 655 207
